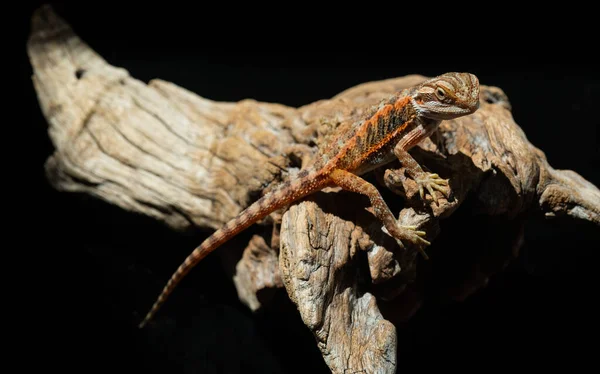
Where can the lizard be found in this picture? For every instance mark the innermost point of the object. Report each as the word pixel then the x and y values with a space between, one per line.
pixel 384 134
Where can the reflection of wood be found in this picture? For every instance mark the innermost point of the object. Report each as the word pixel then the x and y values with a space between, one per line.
pixel 191 162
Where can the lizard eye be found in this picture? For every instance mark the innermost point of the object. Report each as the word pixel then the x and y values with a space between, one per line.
pixel 440 93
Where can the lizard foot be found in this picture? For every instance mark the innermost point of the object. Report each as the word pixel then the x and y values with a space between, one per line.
pixel 409 234
pixel 431 182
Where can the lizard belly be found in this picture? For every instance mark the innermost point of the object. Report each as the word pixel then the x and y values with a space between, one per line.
pixel 375 160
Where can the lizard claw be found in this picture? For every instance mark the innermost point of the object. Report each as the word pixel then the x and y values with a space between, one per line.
pixel 412 235
pixel 414 228
pixel 431 182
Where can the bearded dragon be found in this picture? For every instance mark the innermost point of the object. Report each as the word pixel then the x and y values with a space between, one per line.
pixel 382 135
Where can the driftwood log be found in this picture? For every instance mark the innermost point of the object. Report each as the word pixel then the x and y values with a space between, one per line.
pixel 190 162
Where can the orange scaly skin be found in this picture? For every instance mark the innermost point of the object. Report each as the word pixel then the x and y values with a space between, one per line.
pixel 397 125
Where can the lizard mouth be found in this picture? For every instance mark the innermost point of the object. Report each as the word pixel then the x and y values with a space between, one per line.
pixel 446 112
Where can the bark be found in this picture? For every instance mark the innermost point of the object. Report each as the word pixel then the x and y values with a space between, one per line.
pixel 191 162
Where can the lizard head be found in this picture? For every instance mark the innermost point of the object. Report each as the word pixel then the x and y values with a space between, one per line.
pixel 447 96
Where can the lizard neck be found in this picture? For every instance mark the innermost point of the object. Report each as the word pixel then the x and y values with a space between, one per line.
pixel 421 129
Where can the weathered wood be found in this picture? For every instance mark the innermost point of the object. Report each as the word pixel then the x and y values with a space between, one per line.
pixel 319 258
pixel 257 272
pixel 156 149
pixel 190 162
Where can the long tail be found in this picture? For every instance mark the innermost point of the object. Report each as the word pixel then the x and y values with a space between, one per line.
pixel 286 193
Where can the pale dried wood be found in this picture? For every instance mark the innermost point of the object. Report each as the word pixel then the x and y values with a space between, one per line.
pixel 190 162
pixel 155 149
pixel 319 262
pixel 257 272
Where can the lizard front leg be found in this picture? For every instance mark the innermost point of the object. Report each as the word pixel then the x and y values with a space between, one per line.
pixel 425 181
pixel 354 183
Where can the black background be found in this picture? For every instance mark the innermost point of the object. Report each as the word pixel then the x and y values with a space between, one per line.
pixel 93 270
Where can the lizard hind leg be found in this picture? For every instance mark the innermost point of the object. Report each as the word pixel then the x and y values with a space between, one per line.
pixel 354 183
